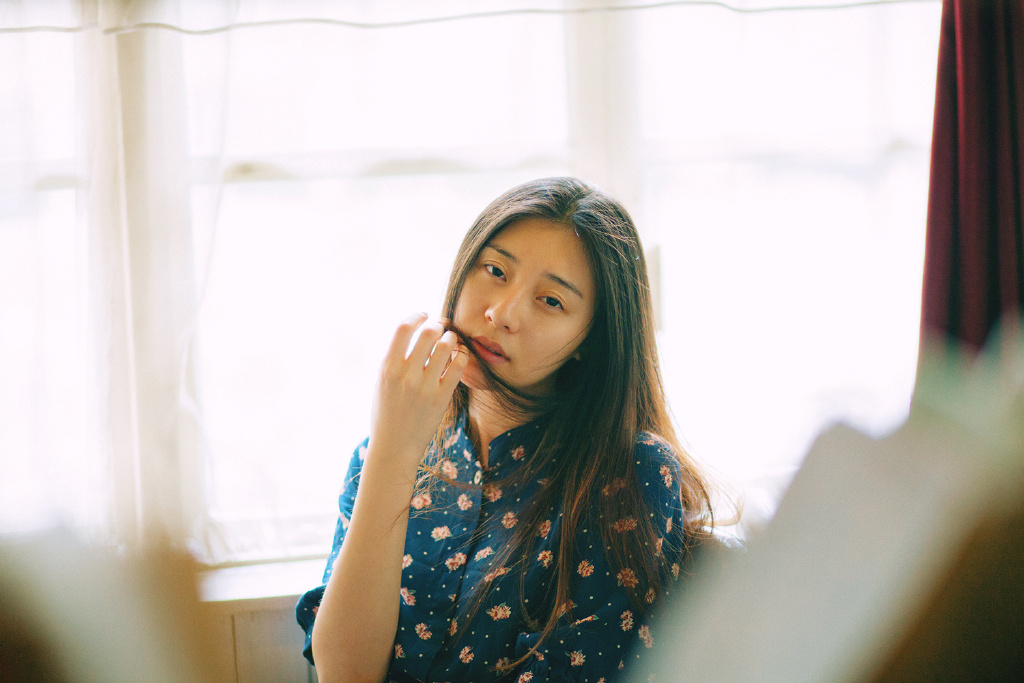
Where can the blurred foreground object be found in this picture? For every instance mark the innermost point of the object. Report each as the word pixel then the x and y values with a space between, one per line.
pixel 72 614
pixel 891 559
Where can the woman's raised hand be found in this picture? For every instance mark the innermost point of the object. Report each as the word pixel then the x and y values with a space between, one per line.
pixel 355 627
pixel 414 391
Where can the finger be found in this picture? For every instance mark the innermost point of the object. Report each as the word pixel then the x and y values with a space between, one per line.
pixel 429 333
pixel 453 373
pixel 403 335
pixel 441 354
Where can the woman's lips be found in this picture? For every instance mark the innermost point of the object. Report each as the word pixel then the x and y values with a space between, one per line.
pixel 489 351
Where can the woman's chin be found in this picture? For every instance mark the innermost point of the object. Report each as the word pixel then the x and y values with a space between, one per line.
pixel 473 378
pixel 475 381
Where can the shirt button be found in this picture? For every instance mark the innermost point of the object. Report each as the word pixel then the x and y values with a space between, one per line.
pixel 476 477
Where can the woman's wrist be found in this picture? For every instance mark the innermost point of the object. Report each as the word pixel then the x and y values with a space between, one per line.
pixel 388 481
pixel 398 464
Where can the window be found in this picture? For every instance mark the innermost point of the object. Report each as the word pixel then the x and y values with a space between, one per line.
pixel 208 237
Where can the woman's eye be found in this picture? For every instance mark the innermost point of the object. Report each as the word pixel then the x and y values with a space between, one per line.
pixel 552 301
pixel 494 270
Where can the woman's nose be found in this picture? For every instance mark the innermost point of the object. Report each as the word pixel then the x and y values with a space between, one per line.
pixel 506 311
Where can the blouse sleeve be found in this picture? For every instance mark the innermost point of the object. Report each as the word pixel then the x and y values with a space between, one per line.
pixel 309 603
pixel 607 631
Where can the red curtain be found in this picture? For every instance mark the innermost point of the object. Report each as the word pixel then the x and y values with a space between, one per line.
pixel 974 251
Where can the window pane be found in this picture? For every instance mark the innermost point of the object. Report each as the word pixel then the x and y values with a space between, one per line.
pixel 314 89
pixel 309 270
pixel 307 282
pixel 49 444
pixel 48 471
pixel 842 81
pixel 788 189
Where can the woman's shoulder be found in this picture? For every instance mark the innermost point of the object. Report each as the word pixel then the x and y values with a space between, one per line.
pixel 657 468
pixel 651 440
pixel 652 451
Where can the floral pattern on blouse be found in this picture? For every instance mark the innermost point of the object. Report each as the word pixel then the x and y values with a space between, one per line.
pixel 453 538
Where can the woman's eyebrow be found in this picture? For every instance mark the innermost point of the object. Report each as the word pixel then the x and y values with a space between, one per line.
pixel 551 276
pixel 507 254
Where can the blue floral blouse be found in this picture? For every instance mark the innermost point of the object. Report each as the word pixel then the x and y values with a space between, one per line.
pixel 453 535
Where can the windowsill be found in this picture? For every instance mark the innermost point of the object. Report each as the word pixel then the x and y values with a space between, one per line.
pixel 259 586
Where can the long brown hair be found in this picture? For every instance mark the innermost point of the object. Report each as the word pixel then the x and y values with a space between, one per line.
pixel 601 402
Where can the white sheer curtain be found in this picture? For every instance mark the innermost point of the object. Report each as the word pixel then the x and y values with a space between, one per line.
pixel 213 213
pixel 104 430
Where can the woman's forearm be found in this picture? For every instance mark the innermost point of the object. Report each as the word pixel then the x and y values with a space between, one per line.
pixel 355 626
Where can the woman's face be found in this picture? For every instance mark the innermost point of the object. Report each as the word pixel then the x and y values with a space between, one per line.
pixel 527 304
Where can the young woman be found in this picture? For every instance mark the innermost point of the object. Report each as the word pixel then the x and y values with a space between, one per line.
pixel 521 502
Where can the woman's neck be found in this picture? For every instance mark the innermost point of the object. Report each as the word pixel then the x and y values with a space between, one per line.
pixel 487 419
